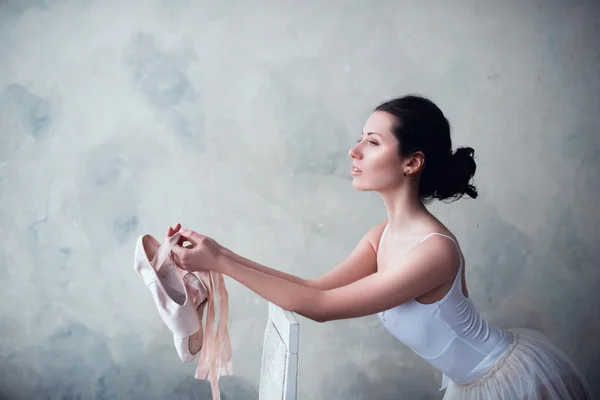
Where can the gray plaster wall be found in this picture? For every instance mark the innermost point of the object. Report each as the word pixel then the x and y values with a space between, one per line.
pixel 119 118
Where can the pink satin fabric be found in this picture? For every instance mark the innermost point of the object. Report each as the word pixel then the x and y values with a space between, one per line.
pixel 216 353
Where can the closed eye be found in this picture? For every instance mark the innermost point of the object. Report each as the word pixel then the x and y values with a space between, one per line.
pixel 370 141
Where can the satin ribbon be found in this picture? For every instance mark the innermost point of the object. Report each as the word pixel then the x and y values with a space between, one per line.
pixel 216 353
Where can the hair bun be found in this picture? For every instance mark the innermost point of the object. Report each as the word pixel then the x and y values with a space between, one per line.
pixel 462 170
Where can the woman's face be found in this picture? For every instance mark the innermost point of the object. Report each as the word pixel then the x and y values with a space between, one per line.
pixel 376 163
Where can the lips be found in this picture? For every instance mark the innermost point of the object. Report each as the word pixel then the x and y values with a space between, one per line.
pixel 356 170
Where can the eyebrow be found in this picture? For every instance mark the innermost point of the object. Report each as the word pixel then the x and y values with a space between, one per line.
pixel 373 133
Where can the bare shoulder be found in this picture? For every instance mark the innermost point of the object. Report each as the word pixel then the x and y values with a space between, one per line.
pixel 449 258
pixel 373 235
pixel 435 225
pixel 440 243
pixel 446 247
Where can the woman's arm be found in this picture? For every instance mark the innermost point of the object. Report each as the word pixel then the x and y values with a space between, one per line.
pixel 359 264
pixel 247 263
pixel 252 264
pixel 285 293
pixel 431 264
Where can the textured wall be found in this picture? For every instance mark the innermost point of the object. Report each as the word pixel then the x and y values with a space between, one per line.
pixel 119 118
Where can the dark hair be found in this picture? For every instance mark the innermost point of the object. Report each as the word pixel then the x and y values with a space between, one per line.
pixel 421 126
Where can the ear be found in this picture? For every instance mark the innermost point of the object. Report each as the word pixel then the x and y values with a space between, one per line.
pixel 415 162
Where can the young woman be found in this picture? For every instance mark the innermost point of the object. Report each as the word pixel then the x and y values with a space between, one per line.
pixel 410 269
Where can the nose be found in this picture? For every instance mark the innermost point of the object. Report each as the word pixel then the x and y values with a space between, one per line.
pixel 354 153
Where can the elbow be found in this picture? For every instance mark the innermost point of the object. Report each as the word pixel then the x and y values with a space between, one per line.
pixel 320 310
pixel 313 315
pixel 320 318
pixel 312 307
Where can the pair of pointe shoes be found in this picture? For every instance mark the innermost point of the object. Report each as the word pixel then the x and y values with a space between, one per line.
pixel 181 298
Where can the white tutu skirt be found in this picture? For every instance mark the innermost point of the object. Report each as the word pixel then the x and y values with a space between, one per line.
pixel 531 369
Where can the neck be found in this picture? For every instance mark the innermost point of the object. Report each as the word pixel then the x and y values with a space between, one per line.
pixel 402 205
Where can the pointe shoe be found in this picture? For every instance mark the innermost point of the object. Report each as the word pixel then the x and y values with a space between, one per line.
pixel 188 348
pixel 180 299
pixel 176 307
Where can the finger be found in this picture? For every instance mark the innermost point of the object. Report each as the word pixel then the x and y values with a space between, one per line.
pixel 176 259
pixel 179 252
pixel 191 236
pixel 182 241
pixel 174 230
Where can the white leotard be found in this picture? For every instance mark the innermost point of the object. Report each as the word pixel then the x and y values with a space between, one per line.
pixel 450 334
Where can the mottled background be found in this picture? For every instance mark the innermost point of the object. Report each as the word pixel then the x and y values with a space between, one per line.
pixel 119 118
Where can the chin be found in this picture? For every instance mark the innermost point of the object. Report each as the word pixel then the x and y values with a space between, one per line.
pixel 361 186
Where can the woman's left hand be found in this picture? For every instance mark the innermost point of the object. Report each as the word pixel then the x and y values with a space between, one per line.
pixel 204 253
